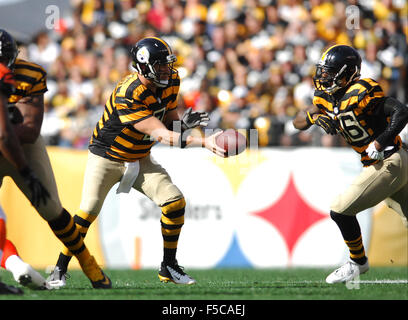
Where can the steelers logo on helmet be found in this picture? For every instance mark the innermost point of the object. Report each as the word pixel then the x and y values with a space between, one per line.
pixel 153 58
pixel 143 55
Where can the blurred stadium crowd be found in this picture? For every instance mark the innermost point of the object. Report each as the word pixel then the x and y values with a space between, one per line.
pixel 248 63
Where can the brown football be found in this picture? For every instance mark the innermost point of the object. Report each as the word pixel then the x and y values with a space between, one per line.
pixel 232 141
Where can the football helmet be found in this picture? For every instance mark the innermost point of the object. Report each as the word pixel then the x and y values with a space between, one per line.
pixel 8 49
pixel 153 58
pixel 339 66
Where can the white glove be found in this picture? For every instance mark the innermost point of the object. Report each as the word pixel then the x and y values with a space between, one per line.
pixel 373 153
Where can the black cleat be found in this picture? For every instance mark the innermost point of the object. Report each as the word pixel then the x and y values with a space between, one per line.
pixel 6 289
pixel 174 273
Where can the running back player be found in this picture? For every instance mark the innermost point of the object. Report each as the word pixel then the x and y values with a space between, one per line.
pixel 370 122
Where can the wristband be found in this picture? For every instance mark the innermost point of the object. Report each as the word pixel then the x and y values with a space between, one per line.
pixel 309 119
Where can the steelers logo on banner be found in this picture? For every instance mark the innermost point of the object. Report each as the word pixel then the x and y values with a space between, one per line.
pixel 262 208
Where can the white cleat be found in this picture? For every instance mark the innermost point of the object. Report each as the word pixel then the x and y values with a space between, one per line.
pixel 28 277
pixel 57 278
pixel 347 272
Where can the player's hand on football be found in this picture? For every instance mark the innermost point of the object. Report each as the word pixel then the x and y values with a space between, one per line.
pixel 191 119
pixel 374 153
pixel 210 144
pixel 328 124
pixel 38 192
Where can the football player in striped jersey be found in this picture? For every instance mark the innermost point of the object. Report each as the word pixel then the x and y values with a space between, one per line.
pixel 26 107
pixel 370 122
pixel 11 149
pixel 141 111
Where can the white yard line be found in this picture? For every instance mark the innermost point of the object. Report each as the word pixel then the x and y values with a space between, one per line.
pixel 385 281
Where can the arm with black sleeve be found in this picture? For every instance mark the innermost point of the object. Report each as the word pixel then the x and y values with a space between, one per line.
pixel 398 113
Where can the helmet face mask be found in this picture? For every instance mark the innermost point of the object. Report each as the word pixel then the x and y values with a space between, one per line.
pixel 328 80
pixel 153 59
pixel 339 66
pixel 8 49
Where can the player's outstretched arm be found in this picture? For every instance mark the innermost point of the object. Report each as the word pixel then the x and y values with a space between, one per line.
pixel 157 130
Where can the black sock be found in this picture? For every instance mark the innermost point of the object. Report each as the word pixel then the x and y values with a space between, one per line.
pixel 172 221
pixel 63 262
pixel 351 232
pixel 169 256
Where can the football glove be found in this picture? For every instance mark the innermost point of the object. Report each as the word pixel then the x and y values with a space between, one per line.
pixel 6 81
pixel 373 153
pixel 38 192
pixel 191 119
pixel 328 124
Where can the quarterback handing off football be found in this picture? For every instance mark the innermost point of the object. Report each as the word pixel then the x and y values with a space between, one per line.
pixel 232 141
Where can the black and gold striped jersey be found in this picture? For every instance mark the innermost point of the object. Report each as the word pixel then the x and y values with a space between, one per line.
pixel 30 78
pixel 114 136
pixel 359 115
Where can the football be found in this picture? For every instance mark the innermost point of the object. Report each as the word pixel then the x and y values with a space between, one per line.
pixel 232 141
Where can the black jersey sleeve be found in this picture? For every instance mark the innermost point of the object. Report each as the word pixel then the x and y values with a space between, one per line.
pixel 398 114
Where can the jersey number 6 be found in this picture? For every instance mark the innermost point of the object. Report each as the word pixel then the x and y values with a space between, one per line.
pixel 352 129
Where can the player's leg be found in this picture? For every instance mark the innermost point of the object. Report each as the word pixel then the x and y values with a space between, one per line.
pixel 100 176
pixel 59 219
pixel 59 275
pixel 22 272
pixel 172 221
pixel 372 186
pixel 155 183
pixel 4 288
pixel 15 264
pixel 398 201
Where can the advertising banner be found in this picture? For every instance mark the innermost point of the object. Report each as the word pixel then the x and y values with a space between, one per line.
pixel 267 208
pixel 263 208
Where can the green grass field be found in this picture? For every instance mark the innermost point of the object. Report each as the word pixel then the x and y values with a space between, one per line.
pixel 218 294
pixel 389 283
